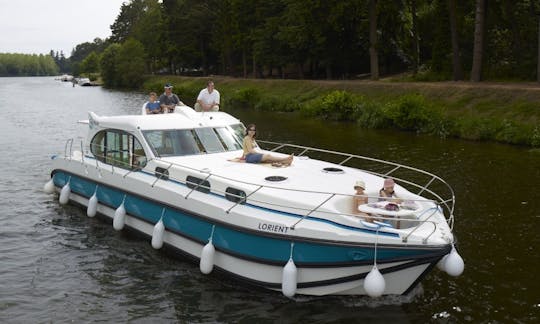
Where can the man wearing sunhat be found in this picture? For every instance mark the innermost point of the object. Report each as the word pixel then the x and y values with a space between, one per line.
pixel 169 100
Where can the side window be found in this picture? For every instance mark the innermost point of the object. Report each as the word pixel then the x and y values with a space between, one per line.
pixel 235 195
pixel 228 139
pixel 97 146
pixel 239 132
pixel 119 149
pixel 198 183
pixel 139 157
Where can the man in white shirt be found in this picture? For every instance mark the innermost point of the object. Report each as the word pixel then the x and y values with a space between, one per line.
pixel 208 99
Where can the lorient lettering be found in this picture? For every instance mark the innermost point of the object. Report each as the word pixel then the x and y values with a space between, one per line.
pixel 273 228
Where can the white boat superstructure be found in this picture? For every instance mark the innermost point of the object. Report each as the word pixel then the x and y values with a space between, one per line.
pixel 179 179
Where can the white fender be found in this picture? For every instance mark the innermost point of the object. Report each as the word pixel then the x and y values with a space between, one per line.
pixel 374 283
pixel 119 217
pixel 454 264
pixel 49 187
pixel 207 258
pixel 157 235
pixel 91 210
pixel 289 279
pixel 64 194
pixel 442 263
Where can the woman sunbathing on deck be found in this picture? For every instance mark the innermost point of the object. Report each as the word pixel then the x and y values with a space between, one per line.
pixel 252 156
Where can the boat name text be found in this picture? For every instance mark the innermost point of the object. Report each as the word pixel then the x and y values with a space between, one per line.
pixel 273 228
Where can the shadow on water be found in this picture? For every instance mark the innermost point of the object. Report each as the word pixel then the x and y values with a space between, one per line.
pixel 58 265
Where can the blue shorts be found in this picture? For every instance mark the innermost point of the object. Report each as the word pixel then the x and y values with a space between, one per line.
pixel 254 158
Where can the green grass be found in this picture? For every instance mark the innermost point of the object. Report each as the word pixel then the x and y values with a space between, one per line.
pixel 502 112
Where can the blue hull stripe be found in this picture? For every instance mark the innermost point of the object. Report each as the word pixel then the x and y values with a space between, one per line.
pixel 248 244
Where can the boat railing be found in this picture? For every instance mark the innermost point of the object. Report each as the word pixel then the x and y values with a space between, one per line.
pixel 446 200
pixel 448 204
pixel 305 212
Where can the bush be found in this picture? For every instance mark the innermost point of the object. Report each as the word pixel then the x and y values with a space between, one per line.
pixel 244 98
pixel 336 105
pixel 409 112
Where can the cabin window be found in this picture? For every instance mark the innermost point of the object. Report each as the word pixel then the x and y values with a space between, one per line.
pixel 180 142
pixel 239 132
pixel 118 148
pixel 209 140
pixel 228 139
pixel 235 195
pixel 172 142
pixel 198 183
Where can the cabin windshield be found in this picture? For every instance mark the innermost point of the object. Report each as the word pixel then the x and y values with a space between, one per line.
pixel 180 142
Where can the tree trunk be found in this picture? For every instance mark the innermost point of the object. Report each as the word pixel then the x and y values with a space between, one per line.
pixel 478 51
pixel 538 63
pixel 244 63
pixel 416 42
pixel 373 57
pixel 457 68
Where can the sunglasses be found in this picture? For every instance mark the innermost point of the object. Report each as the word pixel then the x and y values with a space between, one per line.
pixel 254 130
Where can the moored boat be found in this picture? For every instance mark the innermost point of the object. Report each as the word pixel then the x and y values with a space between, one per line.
pixel 178 179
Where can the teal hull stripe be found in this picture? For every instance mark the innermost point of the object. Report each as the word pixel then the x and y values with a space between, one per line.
pixel 246 244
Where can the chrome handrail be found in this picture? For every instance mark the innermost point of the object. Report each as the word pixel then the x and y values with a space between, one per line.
pixel 448 203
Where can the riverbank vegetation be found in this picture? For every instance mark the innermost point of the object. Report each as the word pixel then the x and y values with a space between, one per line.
pixel 27 65
pixel 505 113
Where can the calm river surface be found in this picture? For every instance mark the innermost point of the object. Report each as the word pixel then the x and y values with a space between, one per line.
pixel 58 266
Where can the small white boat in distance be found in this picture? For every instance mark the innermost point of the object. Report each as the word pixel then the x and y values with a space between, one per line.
pixel 66 78
pixel 178 179
pixel 84 82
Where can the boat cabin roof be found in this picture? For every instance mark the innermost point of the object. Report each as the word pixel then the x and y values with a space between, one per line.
pixel 184 117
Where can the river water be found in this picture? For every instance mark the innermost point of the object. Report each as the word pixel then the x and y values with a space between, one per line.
pixel 59 266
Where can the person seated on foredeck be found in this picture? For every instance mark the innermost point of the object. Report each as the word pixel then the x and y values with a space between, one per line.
pixel 152 106
pixel 250 150
pixel 387 193
pixel 168 100
pixel 360 198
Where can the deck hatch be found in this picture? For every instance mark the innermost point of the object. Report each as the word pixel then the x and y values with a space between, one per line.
pixel 275 178
pixel 333 170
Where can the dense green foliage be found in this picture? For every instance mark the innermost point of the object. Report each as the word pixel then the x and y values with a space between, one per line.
pixel 27 65
pixel 328 39
pixel 448 110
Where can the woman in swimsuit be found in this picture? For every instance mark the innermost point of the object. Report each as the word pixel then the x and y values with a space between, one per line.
pixel 252 156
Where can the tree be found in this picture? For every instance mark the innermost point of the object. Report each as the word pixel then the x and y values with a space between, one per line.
pixel 130 64
pixel 457 69
pixel 373 44
pixel 479 31
pixel 90 64
pixel 108 68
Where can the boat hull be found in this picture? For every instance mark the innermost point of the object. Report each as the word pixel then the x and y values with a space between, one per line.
pixel 325 266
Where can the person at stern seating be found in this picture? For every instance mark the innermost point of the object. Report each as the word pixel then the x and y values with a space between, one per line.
pixel 387 193
pixel 250 150
pixel 208 98
pixel 152 106
pixel 360 198
pixel 168 100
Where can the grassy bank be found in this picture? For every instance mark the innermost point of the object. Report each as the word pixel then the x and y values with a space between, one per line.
pixel 508 113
